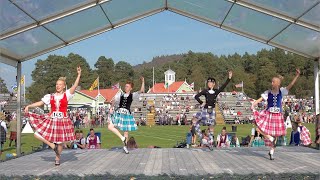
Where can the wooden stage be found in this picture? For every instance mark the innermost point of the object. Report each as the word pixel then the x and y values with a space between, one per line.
pixel 152 162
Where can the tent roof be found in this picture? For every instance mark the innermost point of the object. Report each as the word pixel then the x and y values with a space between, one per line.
pixel 31 28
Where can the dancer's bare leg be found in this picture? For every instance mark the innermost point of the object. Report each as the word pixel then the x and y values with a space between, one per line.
pixel 40 138
pixel 115 131
pixel 126 135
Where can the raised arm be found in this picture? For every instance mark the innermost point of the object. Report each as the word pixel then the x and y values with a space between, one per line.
pixel 226 83
pixel 142 85
pixel 36 104
pixel 294 80
pixel 76 83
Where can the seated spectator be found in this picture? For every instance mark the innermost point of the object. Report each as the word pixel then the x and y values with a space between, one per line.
pixel 245 141
pixel 205 139
pixel 93 141
pixel 305 135
pixel 80 142
pixel 295 135
pixel 256 139
pixel 234 141
pixel 223 139
pixel 132 143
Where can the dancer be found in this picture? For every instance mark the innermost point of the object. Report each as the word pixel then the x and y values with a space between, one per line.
pixel 270 121
pixel 208 115
pixel 54 128
pixel 121 116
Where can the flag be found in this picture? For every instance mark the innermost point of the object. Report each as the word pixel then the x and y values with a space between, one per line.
pixel 240 85
pixel 94 84
pixel 14 88
pixel 192 85
pixel 116 86
pixel 22 80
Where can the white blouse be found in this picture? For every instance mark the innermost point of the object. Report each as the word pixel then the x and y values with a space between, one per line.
pixel 46 98
pixel 284 92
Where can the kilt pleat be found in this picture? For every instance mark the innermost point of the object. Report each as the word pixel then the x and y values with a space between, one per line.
pixel 270 123
pixel 52 129
pixel 125 122
pixel 206 118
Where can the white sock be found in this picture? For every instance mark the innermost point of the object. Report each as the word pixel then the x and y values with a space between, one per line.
pixel 123 138
pixel 271 138
pixel 271 151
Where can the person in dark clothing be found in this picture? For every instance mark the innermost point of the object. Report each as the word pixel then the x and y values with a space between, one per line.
pixel 207 115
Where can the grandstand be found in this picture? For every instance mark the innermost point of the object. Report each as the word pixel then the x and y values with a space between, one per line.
pixel 187 100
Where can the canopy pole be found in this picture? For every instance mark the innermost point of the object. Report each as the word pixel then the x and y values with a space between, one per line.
pixel 18 148
pixel 316 95
pixel 316 86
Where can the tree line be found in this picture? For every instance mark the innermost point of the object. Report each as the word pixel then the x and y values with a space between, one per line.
pixel 255 70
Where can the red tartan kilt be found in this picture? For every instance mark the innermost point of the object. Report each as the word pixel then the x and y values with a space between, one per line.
pixel 270 123
pixel 13 135
pixel 52 129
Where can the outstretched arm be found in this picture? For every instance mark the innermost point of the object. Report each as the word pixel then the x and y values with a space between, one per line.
pixel 226 83
pixel 36 104
pixel 256 102
pixel 294 80
pixel 76 83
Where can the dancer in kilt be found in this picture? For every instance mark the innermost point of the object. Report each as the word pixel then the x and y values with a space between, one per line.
pixel 120 114
pixel 56 127
pixel 270 121
pixel 207 115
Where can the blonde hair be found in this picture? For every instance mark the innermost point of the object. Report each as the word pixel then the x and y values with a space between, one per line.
pixel 62 79
pixel 279 77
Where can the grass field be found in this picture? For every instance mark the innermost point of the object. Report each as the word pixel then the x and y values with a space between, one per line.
pixel 163 136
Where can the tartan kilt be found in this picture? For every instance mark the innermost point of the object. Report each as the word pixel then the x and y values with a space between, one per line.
pixel 270 123
pixel 13 135
pixel 206 118
pixel 124 121
pixel 52 129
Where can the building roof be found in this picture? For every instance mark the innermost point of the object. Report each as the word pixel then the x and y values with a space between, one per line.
pixel 160 87
pixel 32 28
pixel 108 94
pixel 169 71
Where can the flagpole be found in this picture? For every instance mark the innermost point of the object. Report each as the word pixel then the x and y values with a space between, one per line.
pixel 98 90
pixel 152 79
pixel 242 86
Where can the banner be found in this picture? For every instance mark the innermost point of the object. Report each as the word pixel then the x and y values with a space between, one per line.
pixel 94 84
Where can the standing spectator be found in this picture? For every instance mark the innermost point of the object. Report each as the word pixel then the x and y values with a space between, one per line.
pixel 93 141
pixel 13 131
pixel 193 131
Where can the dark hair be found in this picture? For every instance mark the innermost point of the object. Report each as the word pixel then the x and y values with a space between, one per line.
pixel 131 83
pixel 224 128
pixel 91 129
pixel 132 143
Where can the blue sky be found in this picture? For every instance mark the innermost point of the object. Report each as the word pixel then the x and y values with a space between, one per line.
pixel 162 34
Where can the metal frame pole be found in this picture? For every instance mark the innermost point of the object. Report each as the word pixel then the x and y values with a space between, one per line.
pixel 18 148
pixel 316 86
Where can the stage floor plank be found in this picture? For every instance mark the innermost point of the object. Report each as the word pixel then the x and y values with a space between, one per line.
pixel 169 161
